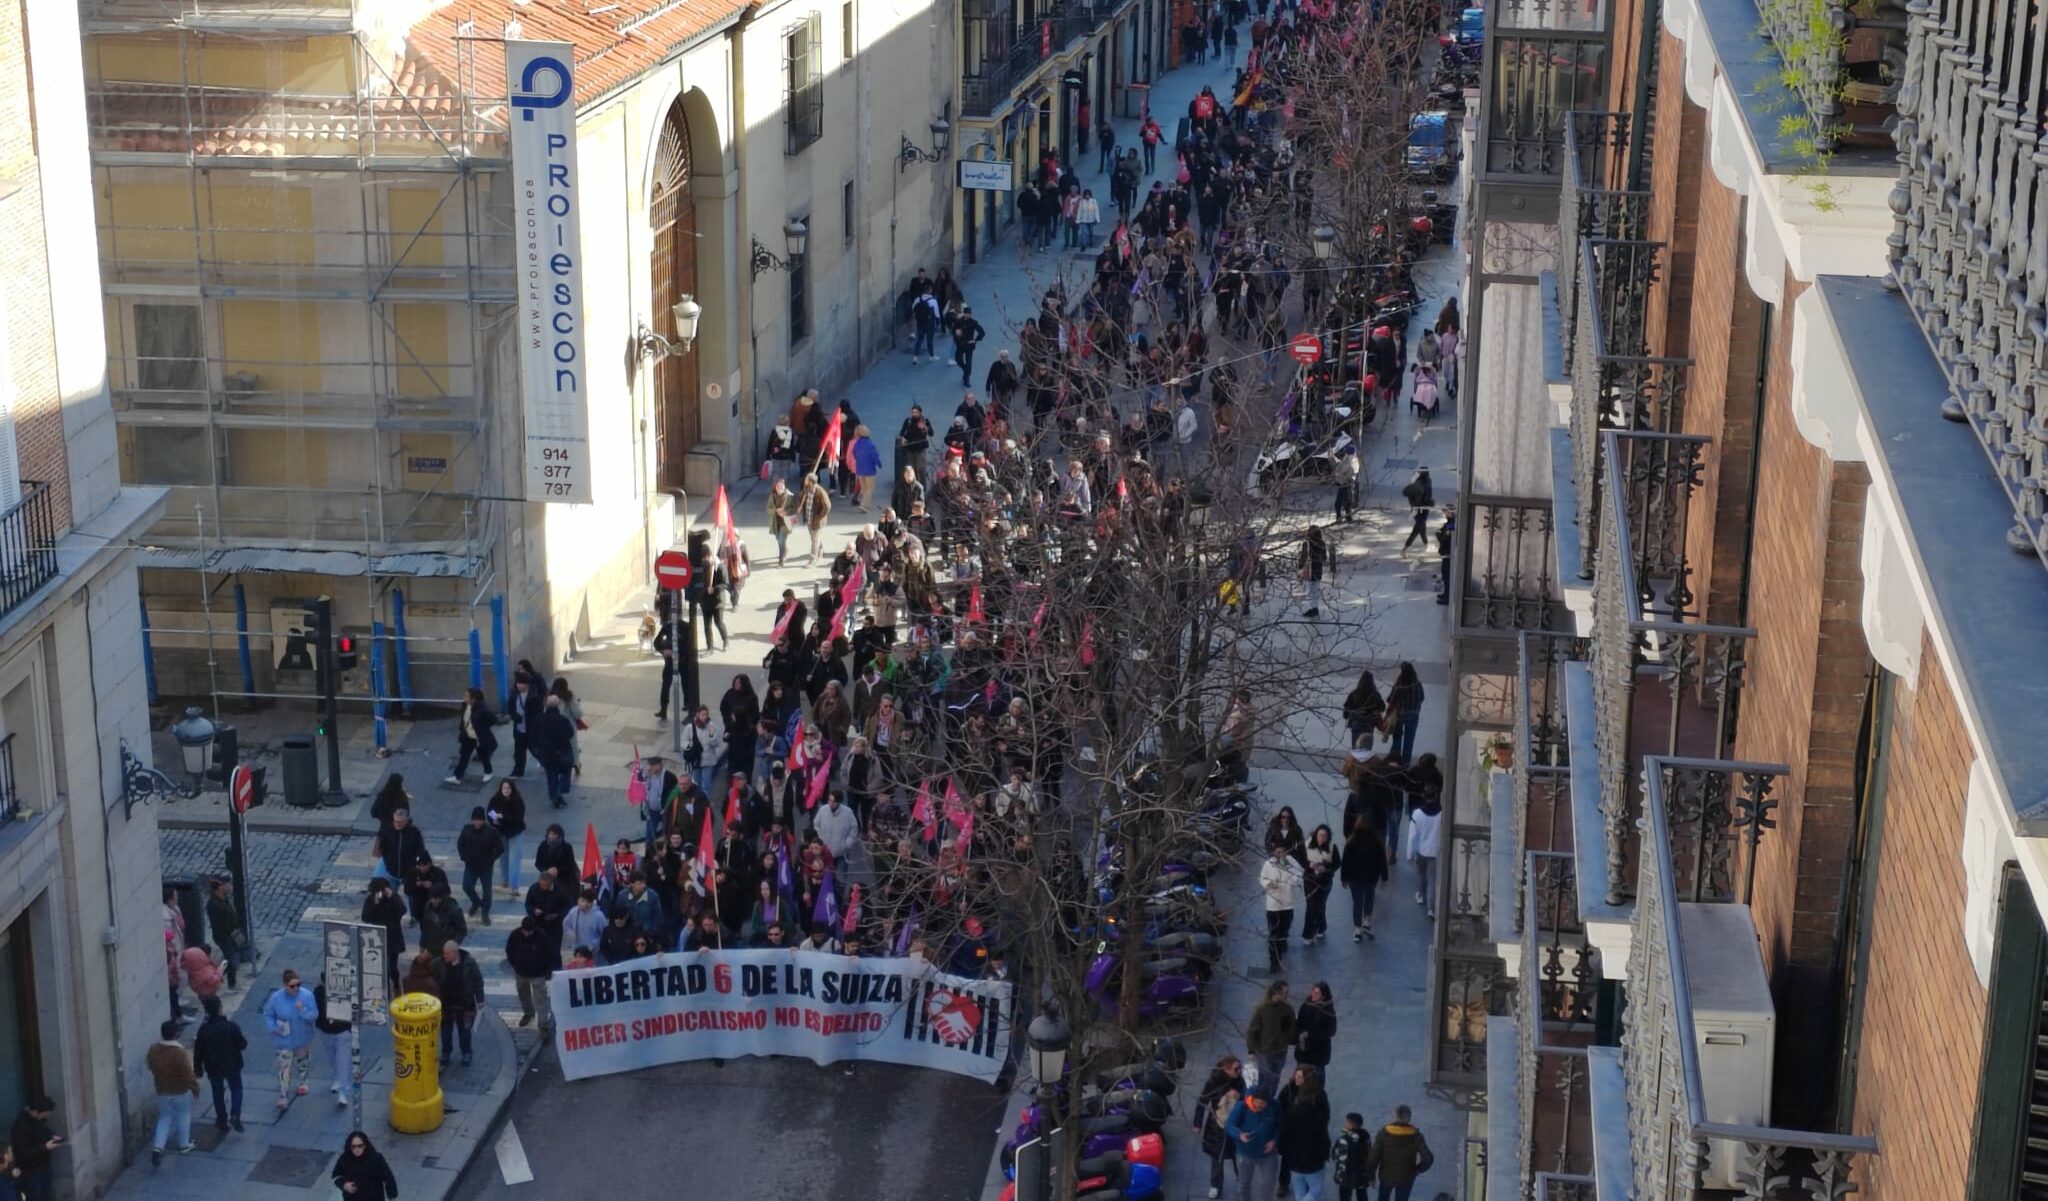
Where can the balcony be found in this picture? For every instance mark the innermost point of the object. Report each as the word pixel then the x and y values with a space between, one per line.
pixel 1012 59
pixel 1846 59
pixel 1644 635
pixel 1965 249
pixel 1615 385
pixel 1540 816
pixel 1711 821
pixel 1594 201
pixel 1557 987
pixel 28 545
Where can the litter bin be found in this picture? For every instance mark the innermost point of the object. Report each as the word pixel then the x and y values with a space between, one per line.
pixel 301 772
pixel 191 901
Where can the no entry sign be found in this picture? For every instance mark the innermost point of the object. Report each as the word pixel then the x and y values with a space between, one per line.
pixel 1306 349
pixel 243 788
pixel 672 570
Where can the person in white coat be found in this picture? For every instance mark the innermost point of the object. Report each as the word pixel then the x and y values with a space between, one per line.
pixel 1280 881
pixel 1425 838
pixel 838 828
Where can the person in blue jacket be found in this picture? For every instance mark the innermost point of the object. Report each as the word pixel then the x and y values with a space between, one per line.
pixel 289 1013
pixel 867 464
pixel 1254 1133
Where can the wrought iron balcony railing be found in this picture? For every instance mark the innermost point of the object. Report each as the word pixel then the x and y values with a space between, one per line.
pixel 1004 65
pixel 1558 982
pixel 1470 980
pixel 1641 631
pixel 1968 248
pixel 10 795
pixel 28 545
pixel 1510 579
pixel 1593 201
pixel 1671 1138
pixel 1615 384
pixel 1542 816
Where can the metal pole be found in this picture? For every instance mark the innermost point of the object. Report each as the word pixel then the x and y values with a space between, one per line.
pixel 404 653
pixel 238 871
pixel 323 630
pixel 355 1034
pixel 679 633
pixel 242 637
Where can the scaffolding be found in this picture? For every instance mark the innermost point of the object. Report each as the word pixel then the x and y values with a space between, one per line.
pixel 306 249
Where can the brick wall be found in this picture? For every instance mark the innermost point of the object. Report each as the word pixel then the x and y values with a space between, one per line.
pixel 1923 1017
pixel 29 335
pixel 1726 330
pixel 1676 167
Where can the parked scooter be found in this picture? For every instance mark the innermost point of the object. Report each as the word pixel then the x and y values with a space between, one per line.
pixel 1166 985
pixel 1288 459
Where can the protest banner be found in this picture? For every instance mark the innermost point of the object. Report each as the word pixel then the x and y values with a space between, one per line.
pixel 809 1004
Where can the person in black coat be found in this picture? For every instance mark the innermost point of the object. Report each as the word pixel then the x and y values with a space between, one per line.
pixel 217 1055
pixel 383 908
pixel 360 1172
pixel 1363 870
pixel 1304 1124
pixel 555 852
pixel 554 747
pixel 1315 1028
pixel 521 708
pixel 1225 1084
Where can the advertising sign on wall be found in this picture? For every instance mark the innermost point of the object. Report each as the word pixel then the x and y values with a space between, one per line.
pixel 985 176
pixel 809 1004
pixel 552 372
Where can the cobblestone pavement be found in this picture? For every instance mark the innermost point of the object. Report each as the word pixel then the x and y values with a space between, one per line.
pixel 284 870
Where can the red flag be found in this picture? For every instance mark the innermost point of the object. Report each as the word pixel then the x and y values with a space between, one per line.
pixel 732 804
pixel 956 806
pixel 704 855
pixel 851 920
pixel 819 778
pixel 721 518
pixel 782 624
pixel 850 591
pixel 1038 619
pixel 593 855
pixel 922 814
pixel 1123 491
pixel 831 443
pixel 796 744
pixel 1087 640
pixel 846 598
pixel 965 838
pixel 975 614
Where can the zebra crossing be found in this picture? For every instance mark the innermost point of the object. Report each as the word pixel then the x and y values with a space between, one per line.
pixel 339 898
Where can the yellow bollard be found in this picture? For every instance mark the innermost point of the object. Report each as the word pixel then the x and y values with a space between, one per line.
pixel 416 1101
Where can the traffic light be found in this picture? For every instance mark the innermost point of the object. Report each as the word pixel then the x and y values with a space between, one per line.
pixel 344 652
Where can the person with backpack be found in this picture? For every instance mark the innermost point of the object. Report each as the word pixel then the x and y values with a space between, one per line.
pixel 1399 1155
pixel 1421 498
pixel 1149 135
pixel 967 334
pixel 924 320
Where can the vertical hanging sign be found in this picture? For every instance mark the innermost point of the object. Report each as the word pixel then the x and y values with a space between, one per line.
pixel 552 373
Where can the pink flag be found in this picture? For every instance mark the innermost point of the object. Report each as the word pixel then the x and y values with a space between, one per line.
pixel 732 803
pixel 721 518
pixel 796 744
pixel 851 921
pixel 854 583
pixel 1087 641
pixel 831 444
pixel 704 855
pixel 819 778
pixel 1038 619
pixel 965 838
pixel 956 805
pixel 975 614
pixel 782 624
pixel 922 814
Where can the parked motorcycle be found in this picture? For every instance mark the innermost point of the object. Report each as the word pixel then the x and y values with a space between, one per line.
pixel 1288 459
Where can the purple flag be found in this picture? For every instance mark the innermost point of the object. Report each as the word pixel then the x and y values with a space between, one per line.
pixel 785 879
pixel 903 935
pixel 826 912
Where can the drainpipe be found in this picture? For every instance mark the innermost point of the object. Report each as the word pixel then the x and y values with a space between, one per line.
pixel 110 934
pixel 1646 67
pixel 742 245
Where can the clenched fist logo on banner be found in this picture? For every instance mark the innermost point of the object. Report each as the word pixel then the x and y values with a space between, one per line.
pixel 954 1016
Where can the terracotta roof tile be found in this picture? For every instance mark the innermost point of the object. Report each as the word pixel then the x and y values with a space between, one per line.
pixel 615 41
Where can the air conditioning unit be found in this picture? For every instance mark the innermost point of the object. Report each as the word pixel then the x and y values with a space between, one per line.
pixel 1735 1025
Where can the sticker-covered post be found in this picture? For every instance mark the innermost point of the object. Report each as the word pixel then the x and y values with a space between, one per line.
pixel 552 370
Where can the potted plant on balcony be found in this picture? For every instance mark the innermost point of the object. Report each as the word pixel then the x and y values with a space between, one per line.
pixel 1502 749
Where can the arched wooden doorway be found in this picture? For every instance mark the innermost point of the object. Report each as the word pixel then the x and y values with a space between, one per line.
pixel 678 421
